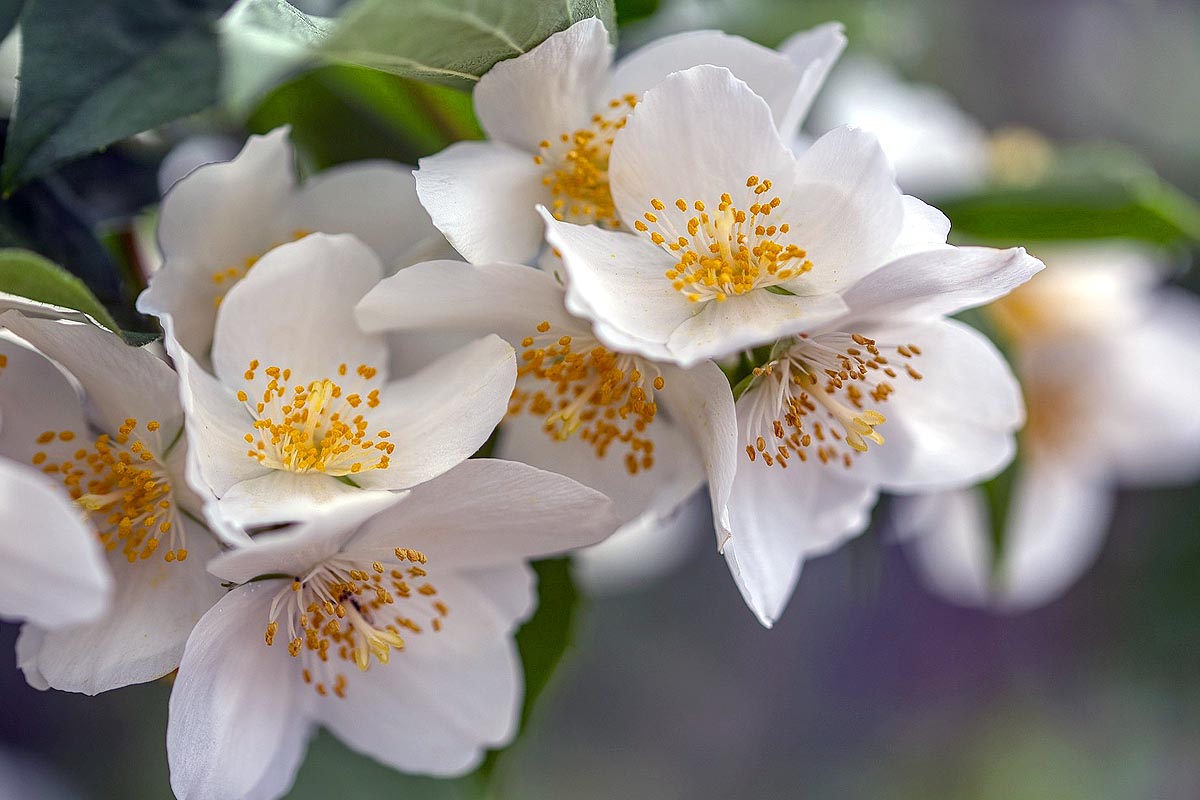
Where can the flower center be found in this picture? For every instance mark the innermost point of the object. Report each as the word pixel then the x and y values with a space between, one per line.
pixel 730 252
pixel 315 427
pixel 577 386
pixel 341 610
pixel 813 399
pixel 578 182
pixel 225 278
pixel 124 488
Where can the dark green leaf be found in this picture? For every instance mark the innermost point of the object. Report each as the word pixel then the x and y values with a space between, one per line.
pixel 93 73
pixel 9 11
pixel 543 641
pixel 27 274
pixel 453 41
pixel 633 10
pixel 341 114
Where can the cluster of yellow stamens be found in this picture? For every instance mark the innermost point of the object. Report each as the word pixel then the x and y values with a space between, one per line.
pixel 813 399
pixel 578 179
pixel 226 277
pixel 341 610
pixel 600 395
pixel 126 490
pixel 730 252
pixel 314 427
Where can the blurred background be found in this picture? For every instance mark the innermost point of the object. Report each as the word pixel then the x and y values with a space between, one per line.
pixel 869 686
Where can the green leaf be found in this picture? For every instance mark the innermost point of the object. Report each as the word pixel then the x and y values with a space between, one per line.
pixel 633 10
pixel 261 42
pixel 27 274
pixel 340 114
pixel 9 11
pixel 543 641
pixel 93 73
pixel 453 41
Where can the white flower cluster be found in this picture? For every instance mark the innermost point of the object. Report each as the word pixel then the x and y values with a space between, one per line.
pixel 658 294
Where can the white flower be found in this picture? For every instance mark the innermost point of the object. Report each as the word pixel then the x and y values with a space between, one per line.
pixel 301 405
pixel 122 465
pixel 936 147
pixel 392 627
pixel 1111 371
pixel 218 221
pixel 645 433
pixel 551 115
pixel 737 242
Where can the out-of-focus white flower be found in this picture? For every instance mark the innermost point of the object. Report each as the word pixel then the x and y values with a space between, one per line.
pixel 300 404
pixel 1110 367
pixel 429 585
pixel 122 464
pixel 551 115
pixel 738 243
pixel 218 221
pixel 645 433
pixel 936 147
pixel 10 62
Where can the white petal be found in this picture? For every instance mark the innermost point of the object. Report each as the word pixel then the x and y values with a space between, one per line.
pixel 845 209
pixel 948 540
pixel 120 381
pixel 744 321
pixel 780 517
pixel 375 201
pixel 35 396
pixel 481 196
pixel 238 725
pixel 698 134
pixel 925 228
pixel 52 569
pixel 212 220
pixel 815 51
pixel 295 310
pixel 617 281
pixel 507 299
pixel 550 90
pixel 939 282
pixel 279 496
pixel 321 531
pixel 449 695
pixel 700 401
pixel 486 512
pixel 773 76
pixel 953 427
pixel 142 636
pixel 29 644
pixel 441 415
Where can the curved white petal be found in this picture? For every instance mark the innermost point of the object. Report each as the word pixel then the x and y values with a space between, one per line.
pixel 52 569
pixel 845 210
pixel 212 220
pixel 376 202
pixel 815 51
pixel 486 512
pixel 141 637
pixel 120 381
pixel 939 282
pixel 320 531
pixel 954 426
pixel 279 496
pixel 550 90
pixel 948 541
pixel 700 401
pixel 295 310
pixel 35 397
pixel 481 196
pixel 238 725
pixel 697 135
pixel 507 299
pixel 438 704
pixel 780 517
pixel 924 228
pixel 617 281
pixel 441 415
pixel 745 321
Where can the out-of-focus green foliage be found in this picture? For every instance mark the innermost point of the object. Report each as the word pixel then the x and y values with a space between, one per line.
pixel 27 274
pixel 633 10
pixel 261 42
pixel 341 113
pixel 9 11
pixel 452 41
pixel 93 73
